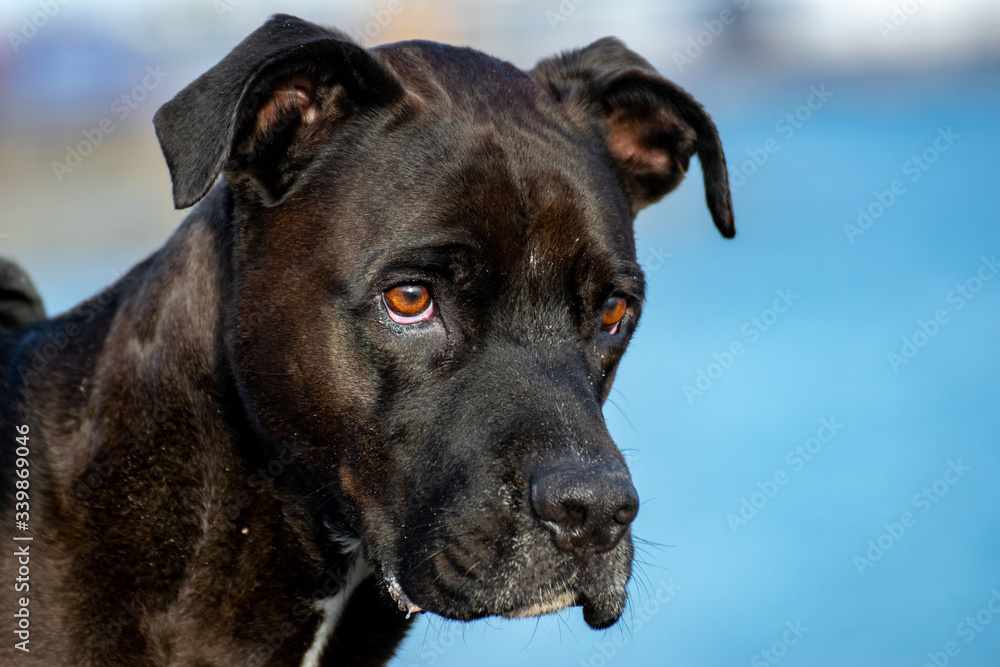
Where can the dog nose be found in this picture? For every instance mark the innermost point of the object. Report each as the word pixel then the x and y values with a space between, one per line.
pixel 586 510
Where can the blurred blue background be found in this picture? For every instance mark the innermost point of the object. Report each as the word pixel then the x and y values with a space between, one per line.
pixel 827 495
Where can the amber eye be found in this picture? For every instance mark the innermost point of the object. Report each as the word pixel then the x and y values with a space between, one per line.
pixel 407 304
pixel 614 313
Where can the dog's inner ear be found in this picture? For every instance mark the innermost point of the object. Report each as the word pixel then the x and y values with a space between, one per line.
pixel 293 95
pixel 650 126
pixel 262 111
pixel 279 133
pixel 653 147
pixel 265 145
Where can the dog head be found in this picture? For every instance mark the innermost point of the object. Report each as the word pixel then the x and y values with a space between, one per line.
pixel 434 279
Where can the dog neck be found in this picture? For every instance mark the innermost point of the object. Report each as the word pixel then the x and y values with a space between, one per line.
pixel 332 609
pixel 166 408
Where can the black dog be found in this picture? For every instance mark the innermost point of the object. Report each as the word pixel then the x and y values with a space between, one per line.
pixel 364 378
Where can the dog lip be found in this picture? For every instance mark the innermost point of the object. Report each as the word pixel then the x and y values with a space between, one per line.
pixel 397 594
pixel 603 611
pixel 551 605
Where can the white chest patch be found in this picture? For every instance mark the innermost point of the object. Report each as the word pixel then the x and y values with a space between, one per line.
pixel 332 608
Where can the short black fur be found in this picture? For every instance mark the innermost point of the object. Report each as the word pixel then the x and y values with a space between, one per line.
pixel 239 455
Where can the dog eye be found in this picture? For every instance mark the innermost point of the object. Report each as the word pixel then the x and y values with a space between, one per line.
pixel 408 304
pixel 614 312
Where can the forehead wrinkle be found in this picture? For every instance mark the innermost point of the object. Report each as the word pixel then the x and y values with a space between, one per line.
pixel 483 97
pixel 525 177
pixel 549 163
pixel 554 216
pixel 460 80
pixel 419 77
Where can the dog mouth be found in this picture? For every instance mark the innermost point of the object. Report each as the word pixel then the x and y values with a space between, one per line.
pixel 396 593
pixel 602 601
pixel 598 613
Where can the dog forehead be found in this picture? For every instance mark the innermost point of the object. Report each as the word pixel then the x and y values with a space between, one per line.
pixel 477 155
pixel 504 201
pixel 460 78
pixel 491 228
pixel 482 144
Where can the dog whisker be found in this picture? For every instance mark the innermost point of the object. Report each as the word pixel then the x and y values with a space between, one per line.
pixel 434 340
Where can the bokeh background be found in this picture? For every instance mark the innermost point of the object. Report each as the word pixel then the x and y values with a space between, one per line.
pixel 830 495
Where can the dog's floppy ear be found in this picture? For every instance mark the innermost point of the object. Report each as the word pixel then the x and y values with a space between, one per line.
pixel 243 114
pixel 650 126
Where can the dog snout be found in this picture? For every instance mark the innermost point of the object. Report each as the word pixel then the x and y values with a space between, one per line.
pixel 586 510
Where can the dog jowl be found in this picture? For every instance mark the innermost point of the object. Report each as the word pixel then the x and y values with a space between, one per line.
pixel 364 378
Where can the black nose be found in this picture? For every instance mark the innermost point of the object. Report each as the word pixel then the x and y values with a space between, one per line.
pixel 586 510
